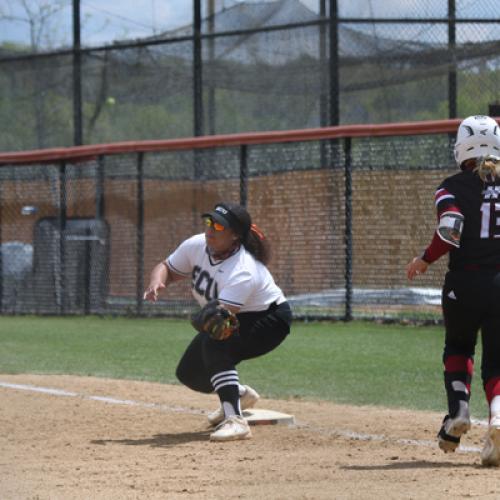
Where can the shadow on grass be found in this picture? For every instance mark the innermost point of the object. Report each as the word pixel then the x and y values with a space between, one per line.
pixel 419 464
pixel 159 440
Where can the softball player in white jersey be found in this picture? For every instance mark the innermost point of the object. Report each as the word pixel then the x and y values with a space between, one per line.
pixel 228 263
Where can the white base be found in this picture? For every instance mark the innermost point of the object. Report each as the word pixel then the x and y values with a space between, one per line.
pixel 257 416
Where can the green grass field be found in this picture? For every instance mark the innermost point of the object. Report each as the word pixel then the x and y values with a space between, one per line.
pixel 356 363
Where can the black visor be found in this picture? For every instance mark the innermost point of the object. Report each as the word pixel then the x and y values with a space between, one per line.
pixel 230 215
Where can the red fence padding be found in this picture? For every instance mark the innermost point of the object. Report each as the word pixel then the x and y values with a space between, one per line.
pixel 83 153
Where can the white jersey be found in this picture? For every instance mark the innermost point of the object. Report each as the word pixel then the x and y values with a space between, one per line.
pixel 239 280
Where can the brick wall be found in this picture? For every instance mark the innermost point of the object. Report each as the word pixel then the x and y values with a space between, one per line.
pixel 301 212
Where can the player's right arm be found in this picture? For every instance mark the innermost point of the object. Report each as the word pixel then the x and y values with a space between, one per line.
pixel 160 278
pixel 447 233
pixel 177 266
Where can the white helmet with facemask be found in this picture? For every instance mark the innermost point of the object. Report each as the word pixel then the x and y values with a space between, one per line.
pixel 477 136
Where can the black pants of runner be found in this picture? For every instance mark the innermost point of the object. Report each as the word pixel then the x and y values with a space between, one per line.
pixel 471 302
pixel 259 333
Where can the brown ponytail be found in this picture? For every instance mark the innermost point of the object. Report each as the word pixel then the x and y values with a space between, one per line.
pixel 257 244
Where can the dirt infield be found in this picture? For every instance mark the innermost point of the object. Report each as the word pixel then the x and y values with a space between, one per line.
pixel 111 439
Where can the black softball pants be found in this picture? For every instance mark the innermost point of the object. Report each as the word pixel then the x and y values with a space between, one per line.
pixel 471 302
pixel 259 333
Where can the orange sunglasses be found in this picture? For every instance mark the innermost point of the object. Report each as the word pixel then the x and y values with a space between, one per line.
pixel 215 225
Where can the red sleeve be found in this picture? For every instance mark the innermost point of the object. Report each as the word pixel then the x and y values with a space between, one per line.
pixel 436 249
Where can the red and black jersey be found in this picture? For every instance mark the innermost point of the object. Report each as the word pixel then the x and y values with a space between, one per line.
pixel 479 203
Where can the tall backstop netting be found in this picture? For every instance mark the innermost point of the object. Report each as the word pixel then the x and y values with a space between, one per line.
pixel 345 209
pixel 237 66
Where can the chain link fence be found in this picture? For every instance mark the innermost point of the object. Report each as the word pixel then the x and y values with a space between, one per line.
pixel 240 66
pixel 81 231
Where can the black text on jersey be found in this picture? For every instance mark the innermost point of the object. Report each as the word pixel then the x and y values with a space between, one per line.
pixel 204 284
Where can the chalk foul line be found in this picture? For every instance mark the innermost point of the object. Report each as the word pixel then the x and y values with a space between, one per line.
pixel 352 435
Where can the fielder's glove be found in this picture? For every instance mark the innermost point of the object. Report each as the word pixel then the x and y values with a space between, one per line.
pixel 217 321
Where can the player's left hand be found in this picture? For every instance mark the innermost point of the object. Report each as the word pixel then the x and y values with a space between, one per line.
pixel 220 323
pixel 415 267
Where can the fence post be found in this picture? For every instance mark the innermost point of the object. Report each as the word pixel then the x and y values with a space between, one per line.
pixel 348 228
pixel 140 233
pixel 77 76
pixel 197 70
pixel 62 217
pixel 86 278
pixel 452 72
pixel 334 110
pixel 334 63
pixel 323 81
pixel 211 59
pixel 99 189
pixel 243 175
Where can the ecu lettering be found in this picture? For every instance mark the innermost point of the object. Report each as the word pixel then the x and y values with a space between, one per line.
pixel 204 284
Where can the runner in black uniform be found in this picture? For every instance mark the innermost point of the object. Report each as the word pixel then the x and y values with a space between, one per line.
pixel 468 210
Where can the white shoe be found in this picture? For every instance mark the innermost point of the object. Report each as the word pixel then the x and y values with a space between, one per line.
pixel 452 429
pixel 490 455
pixel 248 400
pixel 232 429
